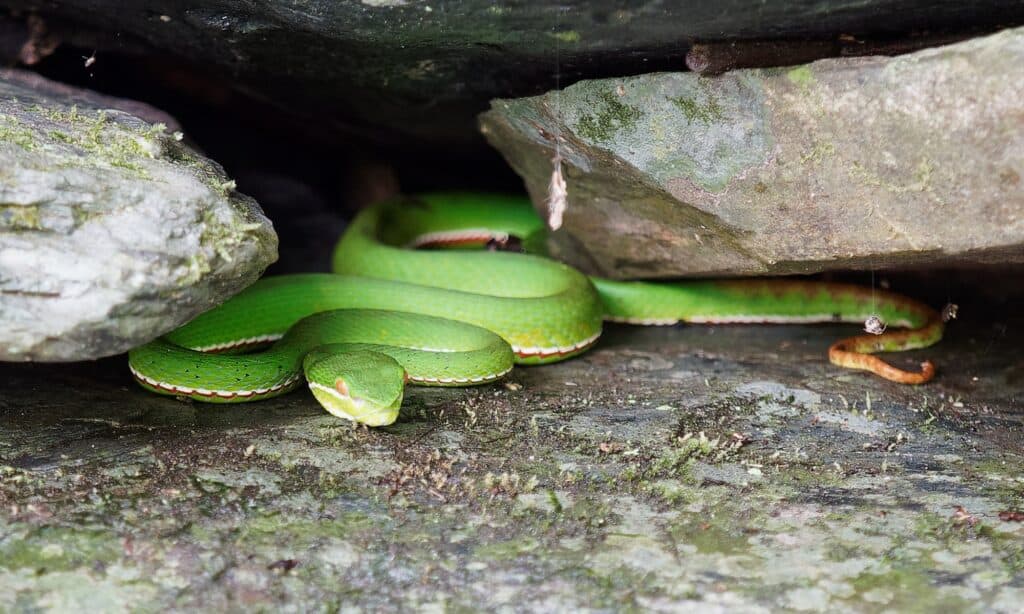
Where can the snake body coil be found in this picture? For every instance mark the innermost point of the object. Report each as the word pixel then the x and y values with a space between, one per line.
pixel 453 317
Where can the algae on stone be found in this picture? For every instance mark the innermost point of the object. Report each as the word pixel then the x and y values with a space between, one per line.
pixel 111 231
pixel 844 163
pixel 763 487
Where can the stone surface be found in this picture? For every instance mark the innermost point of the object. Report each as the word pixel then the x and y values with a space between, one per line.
pixel 839 164
pixel 112 232
pixel 426 68
pixel 672 469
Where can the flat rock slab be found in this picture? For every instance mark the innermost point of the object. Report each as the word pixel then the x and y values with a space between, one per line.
pixel 425 69
pixel 112 232
pixel 669 469
pixel 839 164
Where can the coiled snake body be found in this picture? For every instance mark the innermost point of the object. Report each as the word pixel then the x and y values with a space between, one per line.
pixel 454 317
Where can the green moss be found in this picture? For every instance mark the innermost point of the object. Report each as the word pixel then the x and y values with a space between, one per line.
pixel 57 135
pixel 694 111
pixel 611 116
pixel 20 217
pixel 912 589
pixel 300 533
pixel 673 492
pixel 506 550
pixel 715 539
pixel 84 214
pixel 819 152
pixel 104 142
pixel 11 131
pixel 556 504
pixel 58 549
pixel 801 76
pixel 71 116
pixel 116 147
pixel 204 170
pixel 568 36
pixel 220 236
pixel 808 474
pixel 948 533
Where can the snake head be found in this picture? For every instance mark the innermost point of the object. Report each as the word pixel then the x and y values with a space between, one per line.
pixel 363 386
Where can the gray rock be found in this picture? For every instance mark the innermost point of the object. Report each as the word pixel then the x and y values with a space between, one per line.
pixel 427 68
pixel 112 232
pixel 541 496
pixel 842 163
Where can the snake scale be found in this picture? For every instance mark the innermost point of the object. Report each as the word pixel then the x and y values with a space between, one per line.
pixel 392 314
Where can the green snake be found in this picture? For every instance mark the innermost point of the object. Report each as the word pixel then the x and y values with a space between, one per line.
pixel 394 312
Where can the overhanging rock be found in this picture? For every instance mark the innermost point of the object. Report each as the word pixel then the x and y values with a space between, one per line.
pixel 418 72
pixel 838 164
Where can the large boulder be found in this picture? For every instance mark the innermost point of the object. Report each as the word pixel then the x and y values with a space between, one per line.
pixel 839 164
pixel 426 68
pixel 112 231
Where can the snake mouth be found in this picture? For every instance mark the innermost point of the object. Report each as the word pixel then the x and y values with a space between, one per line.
pixel 353 408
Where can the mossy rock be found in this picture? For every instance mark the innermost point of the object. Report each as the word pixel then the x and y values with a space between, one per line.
pixel 112 231
pixel 847 163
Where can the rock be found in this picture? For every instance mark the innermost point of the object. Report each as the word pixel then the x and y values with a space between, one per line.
pixel 545 498
pixel 839 164
pixel 426 68
pixel 69 94
pixel 112 232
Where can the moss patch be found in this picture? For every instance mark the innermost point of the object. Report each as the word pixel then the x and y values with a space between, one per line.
pixel 567 36
pixel 801 76
pixel 612 115
pixel 104 140
pixel 12 131
pixel 57 549
pixel 696 111
pixel 20 217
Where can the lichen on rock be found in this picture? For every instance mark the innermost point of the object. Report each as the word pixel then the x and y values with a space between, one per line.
pixel 112 231
pixel 844 163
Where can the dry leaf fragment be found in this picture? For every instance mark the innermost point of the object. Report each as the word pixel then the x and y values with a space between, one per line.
pixel 558 195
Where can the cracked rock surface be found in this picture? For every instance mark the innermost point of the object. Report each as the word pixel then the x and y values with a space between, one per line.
pixel 112 231
pixel 848 163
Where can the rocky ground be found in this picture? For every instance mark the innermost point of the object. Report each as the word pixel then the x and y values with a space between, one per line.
pixel 725 467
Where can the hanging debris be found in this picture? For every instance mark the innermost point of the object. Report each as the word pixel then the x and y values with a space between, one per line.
pixel 874 325
pixel 558 195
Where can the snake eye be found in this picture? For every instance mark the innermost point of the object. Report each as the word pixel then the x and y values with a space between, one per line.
pixel 341 386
